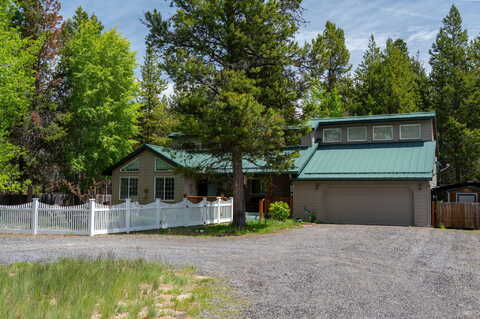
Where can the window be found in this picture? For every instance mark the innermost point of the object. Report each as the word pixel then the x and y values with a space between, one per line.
pixel 128 188
pixel 131 167
pixel 161 165
pixel 332 135
pixel 382 133
pixel 410 131
pixel 357 134
pixel 466 197
pixel 257 186
pixel 165 188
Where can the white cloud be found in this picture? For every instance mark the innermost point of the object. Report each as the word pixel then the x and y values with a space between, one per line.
pixel 423 36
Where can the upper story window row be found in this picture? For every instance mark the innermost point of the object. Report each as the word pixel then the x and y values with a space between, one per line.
pixel 379 133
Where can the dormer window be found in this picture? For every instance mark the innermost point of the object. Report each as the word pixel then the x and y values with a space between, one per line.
pixel 383 133
pixel 357 134
pixel 332 135
pixel 131 167
pixel 410 132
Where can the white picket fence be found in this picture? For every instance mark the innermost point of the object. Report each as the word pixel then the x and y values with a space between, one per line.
pixel 94 219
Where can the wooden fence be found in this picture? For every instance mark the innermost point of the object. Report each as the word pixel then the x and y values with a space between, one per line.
pixel 456 215
pixel 94 219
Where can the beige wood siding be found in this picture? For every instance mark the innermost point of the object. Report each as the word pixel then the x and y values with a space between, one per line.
pixel 412 199
pixel 426 129
pixel 146 180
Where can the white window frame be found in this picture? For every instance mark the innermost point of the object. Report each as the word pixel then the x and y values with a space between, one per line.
pixel 164 182
pixel 474 194
pixel 415 138
pixel 120 187
pixel 129 163
pixel 382 139
pixel 357 140
pixel 332 129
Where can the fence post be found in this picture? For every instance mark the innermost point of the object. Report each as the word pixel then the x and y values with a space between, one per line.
pixel 157 202
pixel 35 216
pixel 218 210
pixel 127 214
pixel 91 217
pixel 231 209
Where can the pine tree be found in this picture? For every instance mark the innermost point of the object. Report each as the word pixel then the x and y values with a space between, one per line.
pixel 449 77
pixel 236 87
pixel 155 120
pixel 387 81
pixel 328 57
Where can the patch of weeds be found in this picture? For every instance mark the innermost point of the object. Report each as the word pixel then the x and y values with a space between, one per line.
pixel 108 288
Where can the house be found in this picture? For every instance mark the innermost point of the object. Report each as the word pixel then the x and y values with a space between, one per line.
pixel 462 193
pixel 361 170
pixel 370 170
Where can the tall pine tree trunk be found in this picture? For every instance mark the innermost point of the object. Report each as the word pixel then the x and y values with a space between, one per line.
pixel 238 192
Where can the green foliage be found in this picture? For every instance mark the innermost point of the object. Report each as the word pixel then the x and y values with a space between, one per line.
pixel 328 57
pixel 220 230
pixel 106 288
pixel 320 103
pixel 232 63
pixel 387 81
pixel 155 119
pixel 455 91
pixel 279 211
pixel 16 87
pixel 100 112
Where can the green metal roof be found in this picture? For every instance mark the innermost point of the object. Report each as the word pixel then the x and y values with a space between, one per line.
pixel 393 161
pixel 373 118
pixel 201 159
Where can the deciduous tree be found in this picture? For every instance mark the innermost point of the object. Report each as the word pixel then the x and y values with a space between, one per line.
pixel 100 111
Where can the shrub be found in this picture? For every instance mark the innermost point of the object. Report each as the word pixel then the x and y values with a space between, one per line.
pixel 279 211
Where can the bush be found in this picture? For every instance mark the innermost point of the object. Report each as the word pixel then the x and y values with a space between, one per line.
pixel 279 211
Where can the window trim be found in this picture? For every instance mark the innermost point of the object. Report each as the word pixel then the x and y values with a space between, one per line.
pixel 331 129
pixel 408 138
pixel 122 169
pixel 120 187
pixel 155 188
pixel 360 140
pixel 462 193
pixel 382 139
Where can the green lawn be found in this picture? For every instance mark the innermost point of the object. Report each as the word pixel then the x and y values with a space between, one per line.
pixel 108 288
pixel 253 227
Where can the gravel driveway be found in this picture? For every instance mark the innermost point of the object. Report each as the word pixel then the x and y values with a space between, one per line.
pixel 321 271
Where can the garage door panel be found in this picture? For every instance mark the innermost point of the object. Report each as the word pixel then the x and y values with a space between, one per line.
pixel 382 206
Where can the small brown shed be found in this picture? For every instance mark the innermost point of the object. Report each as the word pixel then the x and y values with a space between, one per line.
pixel 462 193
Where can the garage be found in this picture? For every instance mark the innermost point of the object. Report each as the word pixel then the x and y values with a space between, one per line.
pixel 376 206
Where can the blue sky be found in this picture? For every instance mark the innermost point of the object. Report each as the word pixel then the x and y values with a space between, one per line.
pixel 416 21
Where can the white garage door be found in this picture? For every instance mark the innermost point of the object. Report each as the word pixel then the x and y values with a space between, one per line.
pixel 377 206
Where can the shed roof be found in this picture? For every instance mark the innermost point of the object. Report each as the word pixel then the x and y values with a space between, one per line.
pixel 393 161
pixel 373 118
